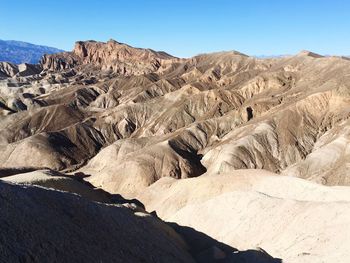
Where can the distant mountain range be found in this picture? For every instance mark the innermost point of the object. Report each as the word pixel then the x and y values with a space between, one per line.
pixel 22 52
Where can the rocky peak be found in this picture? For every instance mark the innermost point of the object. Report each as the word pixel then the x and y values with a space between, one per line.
pixel 59 61
pixel 8 69
pixel 112 55
pixel 309 54
pixel 25 69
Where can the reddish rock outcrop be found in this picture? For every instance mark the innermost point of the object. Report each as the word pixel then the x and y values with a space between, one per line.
pixel 114 56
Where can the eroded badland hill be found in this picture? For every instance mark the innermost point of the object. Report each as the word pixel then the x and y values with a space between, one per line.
pixel 237 152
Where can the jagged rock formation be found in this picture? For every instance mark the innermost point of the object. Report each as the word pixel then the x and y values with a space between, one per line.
pixel 22 70
pixel 112 55
pixel 7 69
pixel 124 118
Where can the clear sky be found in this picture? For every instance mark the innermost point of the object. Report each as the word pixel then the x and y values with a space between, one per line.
pixel 184 27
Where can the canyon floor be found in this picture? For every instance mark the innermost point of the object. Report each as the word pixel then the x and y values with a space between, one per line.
pixel 111 153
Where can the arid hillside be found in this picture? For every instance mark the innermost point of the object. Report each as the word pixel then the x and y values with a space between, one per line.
pixel 211 142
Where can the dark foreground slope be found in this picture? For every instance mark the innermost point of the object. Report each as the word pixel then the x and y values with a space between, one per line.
pixel 41 225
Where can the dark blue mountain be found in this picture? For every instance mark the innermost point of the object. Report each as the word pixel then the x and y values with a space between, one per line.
pixel 21 52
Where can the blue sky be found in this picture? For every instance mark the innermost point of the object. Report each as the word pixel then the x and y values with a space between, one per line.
pixel 184 27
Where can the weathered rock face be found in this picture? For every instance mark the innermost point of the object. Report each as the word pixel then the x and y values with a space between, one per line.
pixel 60 61
pixel 21 70
pixel 8 69
pixel 113 56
